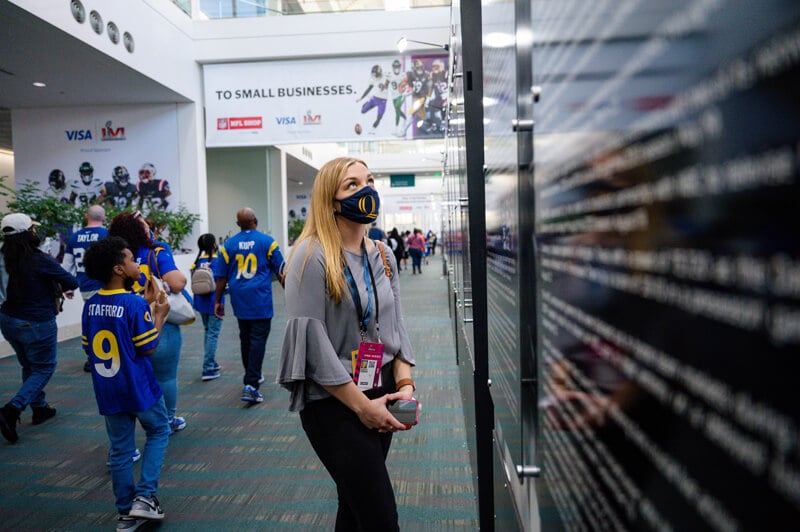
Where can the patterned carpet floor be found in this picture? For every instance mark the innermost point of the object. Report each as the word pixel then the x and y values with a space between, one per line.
pixel 236 467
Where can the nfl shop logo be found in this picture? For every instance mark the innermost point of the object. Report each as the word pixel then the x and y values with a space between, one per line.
pixel 222 123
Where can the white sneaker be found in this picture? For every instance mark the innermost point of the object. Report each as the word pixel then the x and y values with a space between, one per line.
pixel 146 508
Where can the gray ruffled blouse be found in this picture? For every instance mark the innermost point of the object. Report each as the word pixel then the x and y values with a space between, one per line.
pixel 321 335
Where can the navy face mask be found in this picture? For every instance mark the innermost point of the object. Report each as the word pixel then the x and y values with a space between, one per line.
pixel 362 207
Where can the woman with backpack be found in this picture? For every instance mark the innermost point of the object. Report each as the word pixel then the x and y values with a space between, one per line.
pixel 203 288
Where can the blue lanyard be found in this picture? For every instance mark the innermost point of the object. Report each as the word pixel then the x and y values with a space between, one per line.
pixel 369 280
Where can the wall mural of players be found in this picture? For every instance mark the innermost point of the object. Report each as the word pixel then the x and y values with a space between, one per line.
pixel 119 192
pixel 418 96
pixel 153 193
pixel 395 78
pixel 57 186
pixel 84 190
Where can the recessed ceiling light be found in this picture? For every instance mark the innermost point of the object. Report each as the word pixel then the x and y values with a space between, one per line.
pixel 39 84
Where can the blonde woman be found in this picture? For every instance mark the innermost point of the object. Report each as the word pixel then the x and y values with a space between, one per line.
pixel 342 296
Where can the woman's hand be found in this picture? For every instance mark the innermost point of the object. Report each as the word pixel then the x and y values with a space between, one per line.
pixel 376 416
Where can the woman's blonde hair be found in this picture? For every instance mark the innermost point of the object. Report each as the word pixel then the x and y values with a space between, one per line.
pixel 321 223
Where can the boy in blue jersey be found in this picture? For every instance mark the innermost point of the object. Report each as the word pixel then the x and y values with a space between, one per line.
pixel 248 261
pixel 120 330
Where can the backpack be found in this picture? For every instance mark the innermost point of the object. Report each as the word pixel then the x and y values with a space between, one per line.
pixel 203 281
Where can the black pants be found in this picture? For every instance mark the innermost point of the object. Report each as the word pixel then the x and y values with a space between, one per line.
pixel 253 335
pixel 355 457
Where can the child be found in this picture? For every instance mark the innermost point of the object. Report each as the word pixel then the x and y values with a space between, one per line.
pixel 204 304
pixel 119 331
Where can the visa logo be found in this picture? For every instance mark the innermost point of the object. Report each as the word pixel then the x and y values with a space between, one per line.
pixel 285 120
pixel 78 134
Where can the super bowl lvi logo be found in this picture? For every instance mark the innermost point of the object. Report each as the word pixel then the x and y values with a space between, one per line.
pixel 367 206
pixel 111 133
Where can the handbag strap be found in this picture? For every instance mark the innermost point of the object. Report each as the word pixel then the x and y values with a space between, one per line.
pixel 386 268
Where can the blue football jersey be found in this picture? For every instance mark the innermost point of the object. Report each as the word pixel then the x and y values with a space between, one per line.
pixel 77 244
pixel 116 328
pixel 157 259
pixel 248 261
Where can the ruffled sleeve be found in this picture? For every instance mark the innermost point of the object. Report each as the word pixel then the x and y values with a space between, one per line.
pixel 307 353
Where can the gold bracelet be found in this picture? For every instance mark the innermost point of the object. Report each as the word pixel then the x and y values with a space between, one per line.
pixel 406 382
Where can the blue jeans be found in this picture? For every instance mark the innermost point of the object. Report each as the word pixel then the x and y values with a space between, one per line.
pixel 253 336
pixel 416 259
pixel 212 325
pixel 165 365
pixel 34 342
pixel 121 430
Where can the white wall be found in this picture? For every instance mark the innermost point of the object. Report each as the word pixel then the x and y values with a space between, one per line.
pixel 6 169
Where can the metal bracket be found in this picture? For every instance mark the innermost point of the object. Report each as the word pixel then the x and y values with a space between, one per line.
pixel 521 125
pixel 528 471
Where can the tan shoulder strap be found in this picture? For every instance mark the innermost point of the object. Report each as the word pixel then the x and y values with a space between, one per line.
pixel 386 266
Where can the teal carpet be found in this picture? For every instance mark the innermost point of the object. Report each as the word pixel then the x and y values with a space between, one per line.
pixel 234 467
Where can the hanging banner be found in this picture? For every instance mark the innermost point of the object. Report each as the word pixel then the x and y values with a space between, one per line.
pixel 332 100
pixel 123 156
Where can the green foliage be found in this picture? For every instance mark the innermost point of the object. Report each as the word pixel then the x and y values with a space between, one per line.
pixel 173 226
pixel 56 216
pixel 295 228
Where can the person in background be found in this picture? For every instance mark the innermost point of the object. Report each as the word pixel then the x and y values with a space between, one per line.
pixel 416 248
pixel 156 260
pixel 204 304
pixel 77 244
pixel 249 260
pixel 376 233
pixel 398 246
pixel 28 318
pixel 119 345
pixel 431 240
pixel 338 295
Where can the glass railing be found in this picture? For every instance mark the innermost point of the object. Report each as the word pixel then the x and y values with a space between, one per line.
pixel 217 9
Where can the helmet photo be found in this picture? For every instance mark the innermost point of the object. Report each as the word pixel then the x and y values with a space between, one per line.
pixel 57 179
pixel 87 172
pixel 396 66
pixel 437 66
pixel 377 70
pixel 419 68
pixel 120 175
pixel 147 172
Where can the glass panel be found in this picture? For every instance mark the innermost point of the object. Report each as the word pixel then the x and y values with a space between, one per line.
pixel 666 150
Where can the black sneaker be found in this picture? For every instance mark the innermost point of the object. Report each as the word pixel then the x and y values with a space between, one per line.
pixel 9 417
pixel 42 414
pixel 87 367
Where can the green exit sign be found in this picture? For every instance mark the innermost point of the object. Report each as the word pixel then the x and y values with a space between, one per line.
pixel 401 180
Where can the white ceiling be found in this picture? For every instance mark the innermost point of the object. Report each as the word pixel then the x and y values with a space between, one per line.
pixel 75 74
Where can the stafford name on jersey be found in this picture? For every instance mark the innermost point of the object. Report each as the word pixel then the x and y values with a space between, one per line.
pixel 112 311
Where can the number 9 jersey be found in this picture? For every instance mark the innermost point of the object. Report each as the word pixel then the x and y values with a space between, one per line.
pixel 116 329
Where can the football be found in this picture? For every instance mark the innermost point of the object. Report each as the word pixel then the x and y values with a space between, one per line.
pixel 358 129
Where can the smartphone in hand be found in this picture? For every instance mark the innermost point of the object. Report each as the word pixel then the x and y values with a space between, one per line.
pixel 406 411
